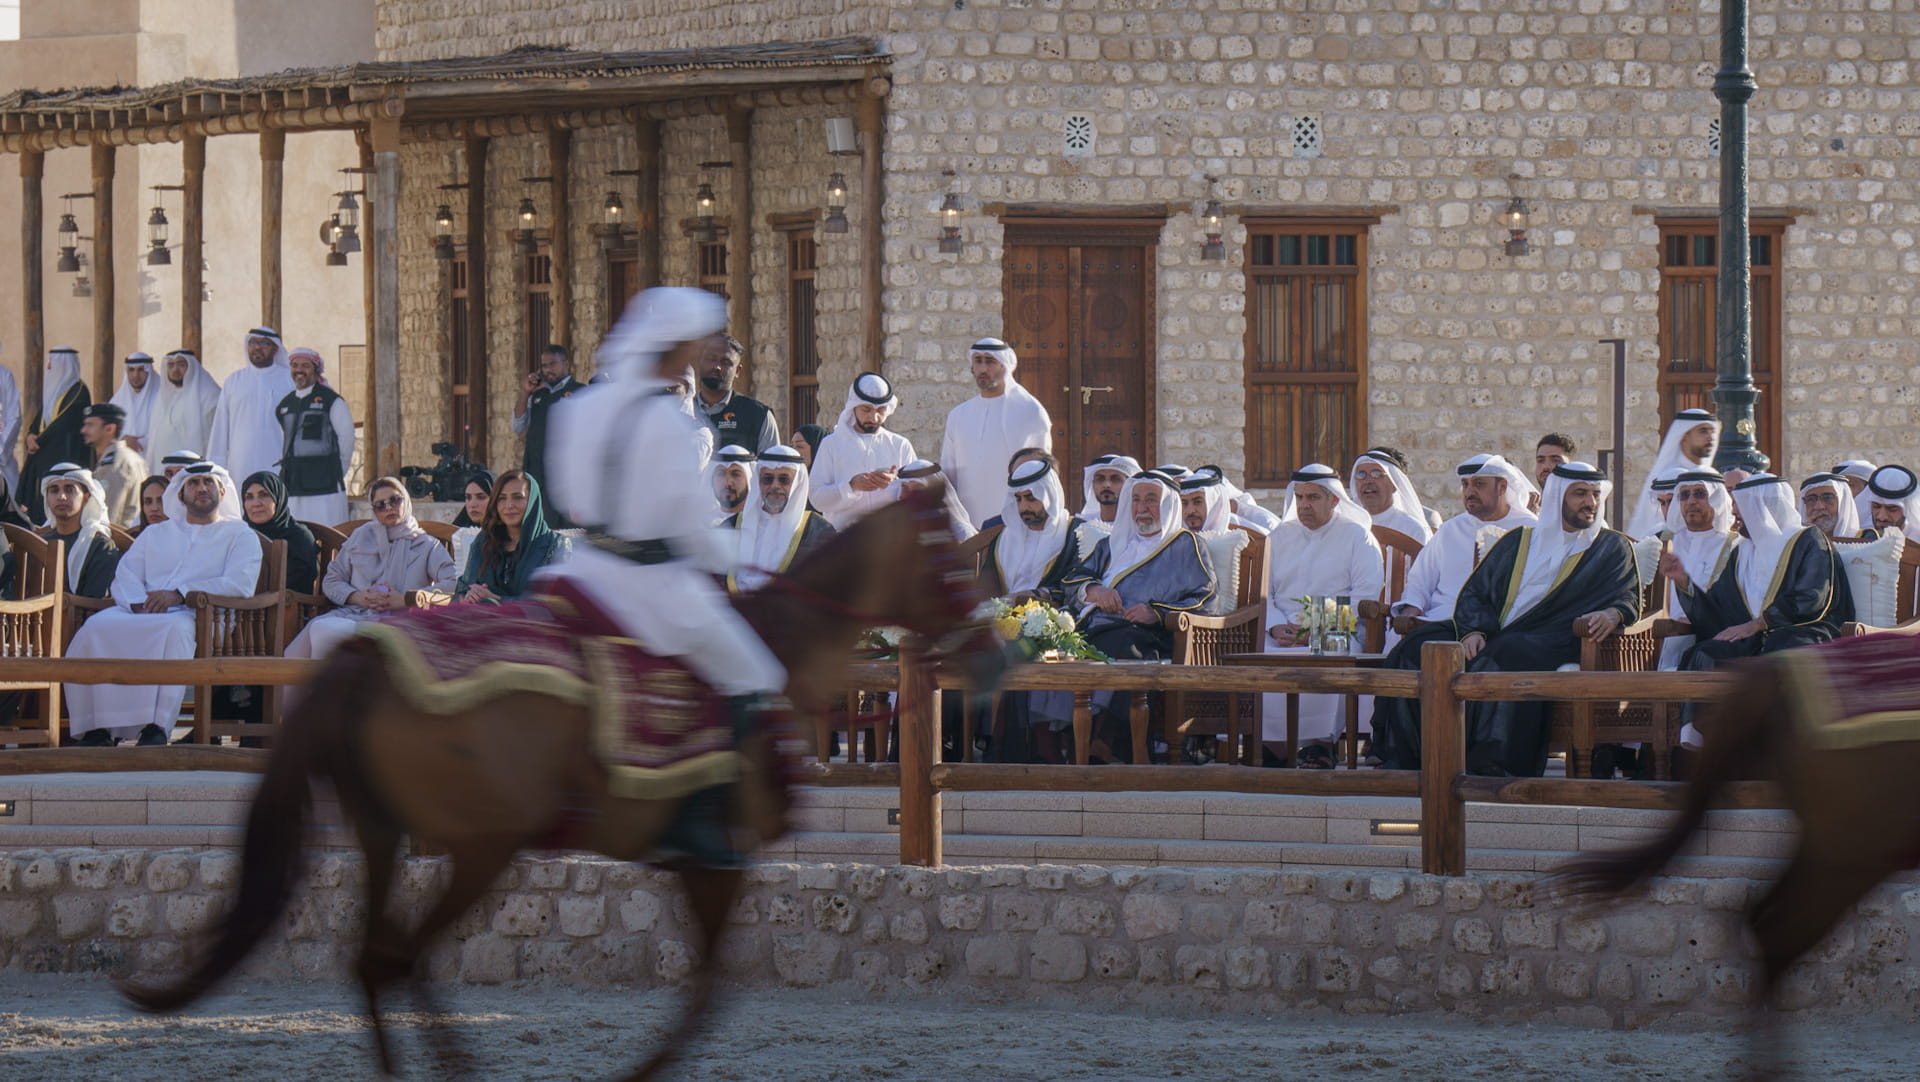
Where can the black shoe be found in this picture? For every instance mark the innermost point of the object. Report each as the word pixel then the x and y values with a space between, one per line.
pixel 96 738
pixel 151 736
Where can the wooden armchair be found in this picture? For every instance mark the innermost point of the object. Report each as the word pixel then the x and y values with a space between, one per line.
pixel 242 627
pixel 122 537
pixel 301 608
pixel 1577 727
pixel 31 628
pixel 1204 640
pixel 1398 551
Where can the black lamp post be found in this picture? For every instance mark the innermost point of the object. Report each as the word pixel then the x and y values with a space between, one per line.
pixel 1734 393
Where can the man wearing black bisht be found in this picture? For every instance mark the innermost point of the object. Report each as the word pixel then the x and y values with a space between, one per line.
pixel 1536 594
pixel 552 382
pixel 55 434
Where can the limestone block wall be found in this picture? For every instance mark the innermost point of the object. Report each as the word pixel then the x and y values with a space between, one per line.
pixel 1245 940
pixel 1602 108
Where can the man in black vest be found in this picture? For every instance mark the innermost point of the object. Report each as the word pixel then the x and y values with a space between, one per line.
pixel 734 418
pixel 550 383
pixel 316 443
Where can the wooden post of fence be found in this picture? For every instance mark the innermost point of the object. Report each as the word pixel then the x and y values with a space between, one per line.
pixel 1443 757
pixel 919 749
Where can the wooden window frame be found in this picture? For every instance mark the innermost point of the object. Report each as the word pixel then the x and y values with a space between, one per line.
pixel 460 395
pixel 532 344
pixel 791 229
pixel 1275 474
pixel 1768 338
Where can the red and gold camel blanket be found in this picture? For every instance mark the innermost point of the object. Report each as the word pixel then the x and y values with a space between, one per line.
pixel 659 730
pixel 1856 692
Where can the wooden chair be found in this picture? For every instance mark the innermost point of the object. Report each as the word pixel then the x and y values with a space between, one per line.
pixel 973 551
pixel 1204 640
pixel 1906 601
pixel 242 627
pixel 1577 727
pixel 31 628
pixel 1398 551
pixel 75 608
pixel 301 608
pixel 122 537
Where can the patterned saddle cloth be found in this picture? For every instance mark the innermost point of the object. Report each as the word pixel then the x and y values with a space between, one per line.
pixel 660 731
pixel 1856 692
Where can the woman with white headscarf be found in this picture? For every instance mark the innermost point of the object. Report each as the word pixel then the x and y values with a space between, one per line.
pixel 183 414
pixel 373 572
pixel 54 437
pixel 983 432
pixel 853 466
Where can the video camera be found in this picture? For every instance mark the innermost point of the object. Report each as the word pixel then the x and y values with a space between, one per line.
pixel 445 481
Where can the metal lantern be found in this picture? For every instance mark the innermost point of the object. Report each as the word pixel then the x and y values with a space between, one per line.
pixel 443 232
pixel 1516 215
pixel 157 254
pixel 348 215
pixel 1215 248
pixel 69 231
pixel 836 220
pixel 526 237
pixel 614 211
pixel 950 223
pixel 83 285
pixel 704 231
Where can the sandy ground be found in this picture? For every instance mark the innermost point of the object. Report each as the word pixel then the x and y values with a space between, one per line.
pixel 74 1029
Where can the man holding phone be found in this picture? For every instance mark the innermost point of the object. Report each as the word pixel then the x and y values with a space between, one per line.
pixel 541 388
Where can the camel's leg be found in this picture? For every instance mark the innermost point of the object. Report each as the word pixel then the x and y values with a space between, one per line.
pixel 1810 898
pixel 383 945
pixel 711 892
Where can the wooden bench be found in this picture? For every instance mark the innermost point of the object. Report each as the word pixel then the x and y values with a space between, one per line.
pixel 31 627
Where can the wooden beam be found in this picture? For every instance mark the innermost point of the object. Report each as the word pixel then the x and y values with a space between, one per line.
pixel 130 670
pixel 560 242
pixel 384 210
pixel 740 238
pixel 18 761
pixel 869 114
pixel 369 437
pixel 1523 687
pixel 1217 778
pixel 1443 757
pixel 1094 676
pixel 646 219
pixel 478 359
pixel 920 833
pixel 850 774
pixel 33 320
pixel 193 248
pixel 1591 793
pixel 273 154
pixel 103 274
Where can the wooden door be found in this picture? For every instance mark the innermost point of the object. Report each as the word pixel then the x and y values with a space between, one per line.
pixel 1079 312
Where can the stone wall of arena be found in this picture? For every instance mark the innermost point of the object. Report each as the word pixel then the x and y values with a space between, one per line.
pixel 1603 107
pixel 1244 940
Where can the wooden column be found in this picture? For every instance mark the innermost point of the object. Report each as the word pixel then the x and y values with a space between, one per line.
pixel 868 116
pixel 193 247
pixel 1443 757
pixel 920 840
pixel 33 323
pixel 646 218
pixel 368 438
pixel 740 237
pixel 103 345
pixel 273 154
pixel 478 358
pixel 560 242
pixel 384 212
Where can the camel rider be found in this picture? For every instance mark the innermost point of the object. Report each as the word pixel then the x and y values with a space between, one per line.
pixel 635 478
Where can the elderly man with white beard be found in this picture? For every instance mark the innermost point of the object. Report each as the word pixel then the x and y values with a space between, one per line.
pixel 1323 547
pixel 1536 594
pixel 777 530
pixel 1827 504
pixel 205 544
pixel 1495 496
pixel 1382 489
pixel 854 467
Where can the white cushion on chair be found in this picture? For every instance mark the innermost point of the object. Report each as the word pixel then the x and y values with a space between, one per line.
pixel 1873 570
pixel 1224 548
pixel 1646 558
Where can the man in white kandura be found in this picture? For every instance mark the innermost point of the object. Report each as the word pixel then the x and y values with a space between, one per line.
pixel 853 466
pixel 1100 485
pixel 983 432
pixel 636 477
pixel 1323 547
pixel 1893 501
pixel 9 428
pixel 183 414
pixel 1382 488
pixel 139 390
pixel 246 436
pixel 1689 443
pixel 1495 494
pixel 205 544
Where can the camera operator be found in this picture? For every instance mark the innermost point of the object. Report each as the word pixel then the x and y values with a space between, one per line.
pixel 541 388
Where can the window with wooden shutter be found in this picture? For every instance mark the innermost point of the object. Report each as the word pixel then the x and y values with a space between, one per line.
pixel 460 359
pixel 537 298
pixel 803 347
pixel 1306 345
pixel 1689 286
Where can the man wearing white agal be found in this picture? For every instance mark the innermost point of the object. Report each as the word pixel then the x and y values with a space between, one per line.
pixel 853 466
pixel 246 436
pixel 983 432
pixel 205 544
pixel 1323 547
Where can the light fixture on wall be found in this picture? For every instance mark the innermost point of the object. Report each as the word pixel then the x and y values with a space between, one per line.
pixel 615 233
pixel 705 229
pixel 526 234
pixel 349 211
pixel 1515 219
pixel 158 254
pixel 950 241
pixel 836 219
pixel 69 231
pixel 1212 218
pixel 443 225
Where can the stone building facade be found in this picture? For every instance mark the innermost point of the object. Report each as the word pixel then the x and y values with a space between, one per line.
pixel 1421 119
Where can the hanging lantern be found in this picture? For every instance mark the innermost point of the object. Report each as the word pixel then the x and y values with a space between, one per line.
pixel 443 232
pixel 950 223
pixel 1516 216
pixel 614 211
pixel 157 254
pixel 704 232
pixel 69 231
pixel 348 215
pixel 836 221
pixel 526 238
pixel 1215 248
pixel 336 257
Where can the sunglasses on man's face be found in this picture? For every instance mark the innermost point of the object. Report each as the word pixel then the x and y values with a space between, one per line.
pixel 388 504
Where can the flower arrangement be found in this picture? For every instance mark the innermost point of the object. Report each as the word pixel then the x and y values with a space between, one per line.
pixel 1323 619
pixel 879 643
pixel 1034 627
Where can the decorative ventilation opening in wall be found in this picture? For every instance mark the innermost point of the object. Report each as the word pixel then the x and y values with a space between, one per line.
pixel 1713 136
pixel 1077 139
pixel 1306 136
